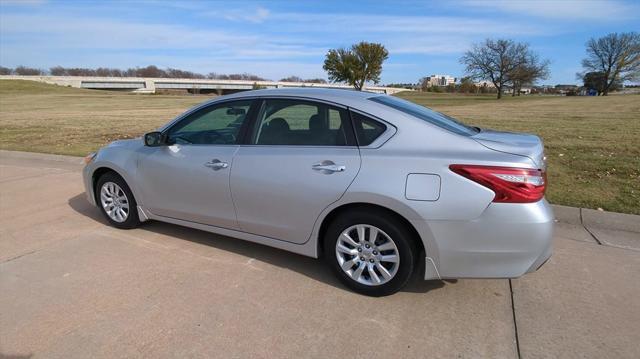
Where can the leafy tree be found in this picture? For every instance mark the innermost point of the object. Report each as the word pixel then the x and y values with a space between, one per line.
pixel 356 65
pixel 495 61
pixel 594 80
pixel 616 56
pixel 5 70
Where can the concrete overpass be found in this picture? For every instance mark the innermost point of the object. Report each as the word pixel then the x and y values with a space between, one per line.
pixel 150 85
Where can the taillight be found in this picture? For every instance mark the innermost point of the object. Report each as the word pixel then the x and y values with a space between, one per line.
pixel 510 184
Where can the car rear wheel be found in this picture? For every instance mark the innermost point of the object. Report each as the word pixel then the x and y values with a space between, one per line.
pixel 116 201
pixel 369 252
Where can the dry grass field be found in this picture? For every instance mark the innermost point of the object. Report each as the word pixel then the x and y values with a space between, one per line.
pixel 593 143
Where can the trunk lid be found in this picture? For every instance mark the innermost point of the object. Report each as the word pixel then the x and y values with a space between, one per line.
pixel 521 144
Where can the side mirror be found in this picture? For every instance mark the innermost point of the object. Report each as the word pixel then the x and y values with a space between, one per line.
pixel 154 139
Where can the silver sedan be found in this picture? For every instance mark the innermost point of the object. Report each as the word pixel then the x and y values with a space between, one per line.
pixel 372 183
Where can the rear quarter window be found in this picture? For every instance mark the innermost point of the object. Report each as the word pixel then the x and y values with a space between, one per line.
pixel 367 129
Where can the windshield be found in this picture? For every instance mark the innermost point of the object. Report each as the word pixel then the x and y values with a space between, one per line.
pixel 425 114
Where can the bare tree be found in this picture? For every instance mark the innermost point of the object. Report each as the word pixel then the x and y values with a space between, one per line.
pixel 182 74
pixel 5 70
pixel 356 65
pixel 80 71
pixel 467 85
pixel 108 72
pixel 252 77
pixel 58 71
pixel 316 81
pixel 494 61
pixel 424 84
pixel 529 72
pixel 292 79
pixel 27 71
pixel 215 76
pixel 150 71
pixel 245 76
pixel 616 56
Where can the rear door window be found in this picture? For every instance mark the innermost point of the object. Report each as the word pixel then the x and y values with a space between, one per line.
pixel 295 122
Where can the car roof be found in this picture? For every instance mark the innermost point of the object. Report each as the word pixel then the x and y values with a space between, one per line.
pixel 341 96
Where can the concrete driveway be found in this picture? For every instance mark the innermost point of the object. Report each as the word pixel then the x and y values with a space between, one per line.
pixel 72 287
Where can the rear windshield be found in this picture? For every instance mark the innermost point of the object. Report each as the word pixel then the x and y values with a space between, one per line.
pixel 425 114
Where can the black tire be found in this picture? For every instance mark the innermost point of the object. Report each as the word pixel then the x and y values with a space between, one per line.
pixel 398 233
pixel 132 220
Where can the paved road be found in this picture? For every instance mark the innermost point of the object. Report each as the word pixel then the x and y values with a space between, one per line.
pixel 72 287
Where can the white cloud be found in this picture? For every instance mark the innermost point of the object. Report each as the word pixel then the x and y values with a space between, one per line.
pixel 598 10
pixel 256 16
pixel 402 35
pixel 23 2
pixel 90 33
pixel 433 25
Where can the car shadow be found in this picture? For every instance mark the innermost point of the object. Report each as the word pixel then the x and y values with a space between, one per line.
pixel 310 267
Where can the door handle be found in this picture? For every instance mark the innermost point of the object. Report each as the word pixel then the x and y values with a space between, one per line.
pixel 216 164
pixel 328 167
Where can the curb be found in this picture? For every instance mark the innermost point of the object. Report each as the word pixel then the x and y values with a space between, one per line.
pixel 41 156
pixel 565 214
pixel 599 219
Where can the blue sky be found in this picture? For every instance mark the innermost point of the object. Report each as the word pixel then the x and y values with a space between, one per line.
pixel 275 39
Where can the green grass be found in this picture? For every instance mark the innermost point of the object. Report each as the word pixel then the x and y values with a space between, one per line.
pixel 38 117
pixel 593 143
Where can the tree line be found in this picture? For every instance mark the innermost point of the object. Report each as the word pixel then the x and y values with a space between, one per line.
pixel 148 71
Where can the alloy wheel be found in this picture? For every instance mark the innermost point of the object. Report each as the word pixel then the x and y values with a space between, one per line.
pixel 367 255
pixel 114 202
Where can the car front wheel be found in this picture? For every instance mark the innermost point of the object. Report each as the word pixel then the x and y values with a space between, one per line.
pixel 116 201
pixel 370 252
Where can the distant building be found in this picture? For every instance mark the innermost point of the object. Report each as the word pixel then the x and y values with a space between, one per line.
pixel 525 90
pixel 485 84
pixel 565 89
pixel 440 80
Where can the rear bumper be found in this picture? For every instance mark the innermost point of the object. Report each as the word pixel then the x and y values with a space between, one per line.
pixel 506 241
